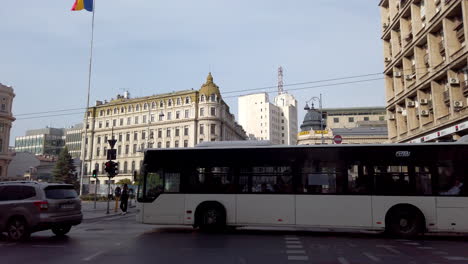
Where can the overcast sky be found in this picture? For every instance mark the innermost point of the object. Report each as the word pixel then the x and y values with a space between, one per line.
pixel 153 46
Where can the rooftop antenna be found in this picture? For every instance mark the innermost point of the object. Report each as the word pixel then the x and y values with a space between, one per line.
pixel 280 80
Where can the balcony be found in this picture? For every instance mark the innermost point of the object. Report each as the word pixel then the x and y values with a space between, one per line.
pixel 426 60
pixel 465 88
pixel 446 95
pixel 441 47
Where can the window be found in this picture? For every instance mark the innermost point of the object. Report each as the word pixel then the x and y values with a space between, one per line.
pixel 98 149
pixel 130 109
pixel 121 122
pixel 168 144
pixel 176 144
pixel 136 120
pixel 125 168
pixel 145 106
pixel 177 115
pixel 178 101
pixel 212 129
pixel 160 133
pixel 350 119
pixel 393 180
pixel 202 98
pixel 127 149
pixel 169 115
pixel 135 136
pixel 161 116
pixel 151 135
pixel 107 123
pixel 137 108
pixel 114 122
pixel 185 143
pixel 127 137
pixel 134 148
pixel 213 111
pixel 99 140
pixel 152 118
pixel 381 118
pixel 142 146
pixel 318 177
pixel 119 150
pixel 451 181
pixel 265 179
pixel 120 137
pixel 202 129
pixel 100 124
pixel 186 131
pixel 60 192
pixel 336 120
pixel 161 104
pixel 187 100
pixel 153 105
pixel 159 145
pixel 104 152
pixel 366 118
pixel 186 113
pixel 143 135
pixel 129 120
pixel 168 132
pixel 122 110
pixel 144 119
pixel 202 111
pixel 116 111
pixel 133 165
pixel 212 180
pixel 213 98
pixel 177 132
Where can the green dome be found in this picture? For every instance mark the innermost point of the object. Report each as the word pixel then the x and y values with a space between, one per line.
pixel 210 87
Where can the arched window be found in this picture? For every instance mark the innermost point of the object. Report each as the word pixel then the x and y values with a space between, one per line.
pixel 116 111
pixel 122 110
pixel 103 167
pixel 125 167
pixel 137 108
pixel 202 98
pixel 169 102
pixel 108 111
pixel 213 98
pixel 133 166
pixel 178 101
pixel 145 106
pixel 187 100
pixel 153 105
pixel 161 104
pixel 96 167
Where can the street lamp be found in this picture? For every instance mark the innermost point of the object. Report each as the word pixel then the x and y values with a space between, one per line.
pixel 319 99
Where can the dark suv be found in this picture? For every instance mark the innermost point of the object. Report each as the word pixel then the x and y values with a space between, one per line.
pixel 27 207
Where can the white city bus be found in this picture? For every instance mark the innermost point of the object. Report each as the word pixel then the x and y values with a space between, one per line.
pixel 405 189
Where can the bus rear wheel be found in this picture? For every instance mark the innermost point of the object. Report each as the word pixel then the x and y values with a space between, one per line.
pixel 405 222
pixel 212 218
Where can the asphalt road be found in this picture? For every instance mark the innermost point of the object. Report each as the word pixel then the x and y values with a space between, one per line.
pixel 119 239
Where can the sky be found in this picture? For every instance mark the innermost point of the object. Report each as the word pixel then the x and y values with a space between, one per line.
pixel 151 46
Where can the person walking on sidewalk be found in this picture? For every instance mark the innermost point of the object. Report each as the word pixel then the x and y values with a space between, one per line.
pixel 124 199
pixel 117 194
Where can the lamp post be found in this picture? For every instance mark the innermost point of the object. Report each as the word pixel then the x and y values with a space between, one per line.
pixel 319 99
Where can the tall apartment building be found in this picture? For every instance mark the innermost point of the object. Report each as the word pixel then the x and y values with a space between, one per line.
pixel 263 120
pixel 172 120
pixel 6 119
pixel 426 73
pixel 350 117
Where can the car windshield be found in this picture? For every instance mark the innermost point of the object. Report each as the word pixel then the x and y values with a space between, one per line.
pixel 60 192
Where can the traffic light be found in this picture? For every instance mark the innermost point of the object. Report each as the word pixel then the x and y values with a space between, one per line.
pixel 116 168
pixel 94 173
pixel 108 165
pixel 112 168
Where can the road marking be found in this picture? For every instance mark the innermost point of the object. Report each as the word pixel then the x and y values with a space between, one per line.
pixel 412 243
pixel 372 257
pixel 390 248
pixel 425 247
pixel 293 242
pixel 93 256
pixel 298 258
pixel 456 258
pixel 295 251
pixel 47 246
pixel 342 260
pixel 294 246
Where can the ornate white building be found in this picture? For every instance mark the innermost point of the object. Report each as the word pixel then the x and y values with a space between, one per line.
pixel 6 119
pixel 172 120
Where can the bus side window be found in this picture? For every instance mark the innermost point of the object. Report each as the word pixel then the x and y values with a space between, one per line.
pixel 172 182
pixel 358 179
pixel 154 184
pixel 450 181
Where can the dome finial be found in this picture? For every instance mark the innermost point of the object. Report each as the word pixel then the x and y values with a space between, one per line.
pixel 209 79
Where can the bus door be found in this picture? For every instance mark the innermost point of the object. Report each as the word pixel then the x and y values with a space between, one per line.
pixel 452 199
pixel 167 207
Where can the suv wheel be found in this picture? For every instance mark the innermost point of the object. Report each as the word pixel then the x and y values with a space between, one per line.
pixel 17 229
pixel 61 230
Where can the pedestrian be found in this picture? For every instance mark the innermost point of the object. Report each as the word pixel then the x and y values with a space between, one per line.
pixel 124 199
pixel 117 193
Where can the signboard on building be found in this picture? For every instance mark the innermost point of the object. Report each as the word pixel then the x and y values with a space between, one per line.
pixel 321 131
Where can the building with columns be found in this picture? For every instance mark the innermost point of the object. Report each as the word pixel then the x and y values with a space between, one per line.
pixel 6 119
pixel 173 120
pixel 426 69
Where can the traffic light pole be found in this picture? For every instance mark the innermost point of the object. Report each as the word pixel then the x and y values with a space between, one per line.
pixel 108 195
pixel 95 192
pixel 110 167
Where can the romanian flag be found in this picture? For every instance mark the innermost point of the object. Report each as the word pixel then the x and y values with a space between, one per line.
pixel 83 4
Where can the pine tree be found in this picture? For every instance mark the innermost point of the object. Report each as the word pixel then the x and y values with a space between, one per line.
pixel 64 170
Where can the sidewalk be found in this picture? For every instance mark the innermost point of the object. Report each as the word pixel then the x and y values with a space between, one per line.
pixel 87 207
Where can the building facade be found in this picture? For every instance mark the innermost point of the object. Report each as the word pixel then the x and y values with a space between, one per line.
pixel 172 120
pixel 6 119
pixel 426 73
pixel 44 141
pixel 73 138
pixel 364 125
pixel 263 120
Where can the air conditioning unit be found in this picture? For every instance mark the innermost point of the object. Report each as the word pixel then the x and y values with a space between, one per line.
pixel 411 104
pixel 388 59
pixel 454 81
pixel 397 74
pixel 391 117
pixel 400 110
pixel 458 104
pixel 424 113
pixel 423 101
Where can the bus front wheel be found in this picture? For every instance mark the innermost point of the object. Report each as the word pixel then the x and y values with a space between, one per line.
pixel 212 218
pixel 405 222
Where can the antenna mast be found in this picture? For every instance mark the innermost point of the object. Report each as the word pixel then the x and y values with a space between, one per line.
pixel 280 80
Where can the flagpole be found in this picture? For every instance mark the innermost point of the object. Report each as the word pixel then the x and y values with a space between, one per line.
pixel 87 105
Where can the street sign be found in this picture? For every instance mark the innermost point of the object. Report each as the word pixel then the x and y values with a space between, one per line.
pixel 337 139
pixel 111 154
pixel 112 142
